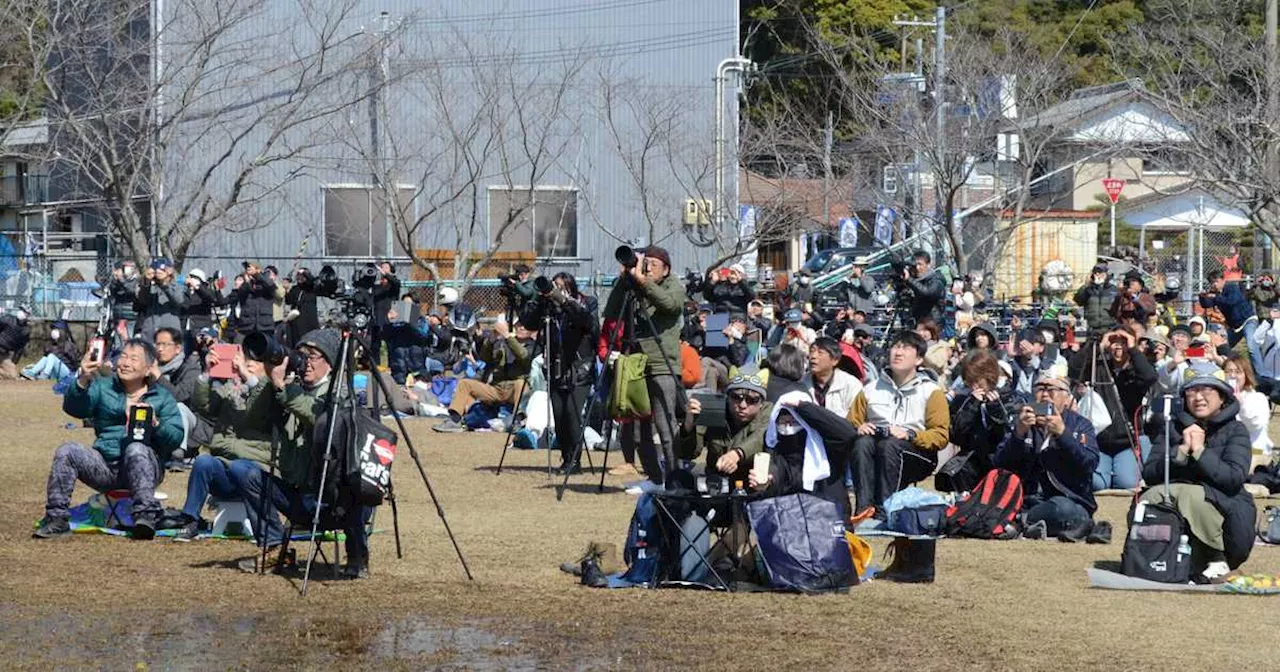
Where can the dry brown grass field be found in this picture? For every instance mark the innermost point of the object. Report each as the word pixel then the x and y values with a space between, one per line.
pixel 94 602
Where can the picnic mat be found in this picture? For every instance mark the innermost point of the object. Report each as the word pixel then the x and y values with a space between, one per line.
pixel 1237 585
pixel 91 518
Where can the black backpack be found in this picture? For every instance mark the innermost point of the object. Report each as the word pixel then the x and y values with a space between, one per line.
pixel 991 509
pixel 368 466
pixel 1151 547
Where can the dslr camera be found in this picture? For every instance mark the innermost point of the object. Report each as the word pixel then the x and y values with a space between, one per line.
pixel 263 348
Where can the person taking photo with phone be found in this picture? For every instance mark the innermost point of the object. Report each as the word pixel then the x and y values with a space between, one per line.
pixel 1054 451
pixel 1122 448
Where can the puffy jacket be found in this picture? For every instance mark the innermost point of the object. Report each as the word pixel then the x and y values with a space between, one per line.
pixel 1221 469
pixel 929 292
pixel 1132 383
pixel 984 328
pixel 159 306
pixel 302 298
pixel 181 383
pixel 256 297
pixel 919 405
pixel 572 338
pixel 242 418
pixel 383 296
pixel 123 293
pixel 1065 466
pixel 103 402
pixel 198 306
pixel 14 335
pixel 663 300
pixel 1096 301
pixel 1235 306
pixel 787 468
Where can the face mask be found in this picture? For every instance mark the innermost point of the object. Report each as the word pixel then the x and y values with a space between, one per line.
pixel 856 282
pixel 804 281
pixel 789 429
pixel 130 271
pixel 54 334
pixel 735 334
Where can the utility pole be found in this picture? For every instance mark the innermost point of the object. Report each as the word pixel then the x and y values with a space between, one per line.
pixel 377 128
pixel 940 106
pixel 157 149
pixel 1273 111
pixel 917 81
pixel 739 65
pixel 828 139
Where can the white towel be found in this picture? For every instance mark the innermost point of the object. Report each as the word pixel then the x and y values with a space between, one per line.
pixel 816 466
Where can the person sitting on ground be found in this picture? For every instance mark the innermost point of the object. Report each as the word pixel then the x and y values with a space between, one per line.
pixel 830 387
pixel 795 333
pixel 115 460
pixel 1133 376
pixel 902 421
pixel 1171 370
pixel 406 353
pixel 61 356
pixel 720 363
pixel 15 333
pixel 508 357
pixel 1029 361
pixel 1208 468
pixel 729 449
pixel 810 447
pixel 244 410
pixel 301 451
pixel 1255 408
pixel 982 413
pixel 179 374
pixel 1054 455
pixel 873 357
pixel 756 321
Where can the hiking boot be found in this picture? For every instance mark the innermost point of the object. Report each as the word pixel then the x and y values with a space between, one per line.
pixel 1075 534
pixel 913 561
pixel 592 575
pixel 52 528
pixel 1036 530
pixel 1100 534
pixel 356 568
pixel 571 470
pixel 189 528
pixel 255 565
pixel 450 427
pixel 144 527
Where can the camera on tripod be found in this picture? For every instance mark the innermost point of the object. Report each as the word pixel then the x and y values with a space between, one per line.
pixel 900 267
pixel 263 348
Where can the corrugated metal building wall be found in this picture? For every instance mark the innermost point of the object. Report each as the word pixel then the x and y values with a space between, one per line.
pixel 650 55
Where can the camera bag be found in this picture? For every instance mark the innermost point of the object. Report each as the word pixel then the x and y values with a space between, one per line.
pixel 1155 532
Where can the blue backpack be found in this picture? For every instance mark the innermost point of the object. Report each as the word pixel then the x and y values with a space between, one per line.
pixel 642 551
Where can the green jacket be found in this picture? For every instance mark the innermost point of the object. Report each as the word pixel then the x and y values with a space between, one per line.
pixel 508 363
pixel 717 442
pixel 241 428
pixel 103 402
pixel 664 302
pixel 302 407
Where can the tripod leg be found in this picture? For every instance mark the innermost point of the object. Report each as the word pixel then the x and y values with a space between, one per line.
pixel 395 523
pixel 604 465
pixel 511 428
pixel 343 368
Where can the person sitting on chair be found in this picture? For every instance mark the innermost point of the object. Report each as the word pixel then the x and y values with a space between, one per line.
pixel 729 449
pixel 810 447
pixel 1054 454
pixel 301 449
pixel 244 410
pixel 902 421
pixel 1207 472
pixel 508 358
pixel 116 460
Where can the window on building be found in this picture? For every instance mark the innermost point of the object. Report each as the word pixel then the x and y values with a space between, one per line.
pixel 1166 162
pixel 356 222
pixel 889 180
pixel 544 219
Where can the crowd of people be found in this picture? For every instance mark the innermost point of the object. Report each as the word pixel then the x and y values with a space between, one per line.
pixel 854 402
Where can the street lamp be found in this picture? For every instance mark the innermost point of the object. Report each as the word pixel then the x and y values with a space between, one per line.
pixel 735 64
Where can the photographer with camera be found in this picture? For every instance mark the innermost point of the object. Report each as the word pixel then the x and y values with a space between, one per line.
pixel 300 460
pixel 123 292
pixel 125 454
pixel 646 275
pixel 255 296
pixel 198 303
pixel 385 291
pixel 902 421
pixel 861 290
pixel 1119 464
pixel 244 410
pixel 1134 303
pixel 160 301
pixel 728 289
pixel 729 448
pixel 304 315
pixel 927 288
pixel 1096 298
pixel 518 288
pixel 508 358
pixel 1054 451
pixel 571 360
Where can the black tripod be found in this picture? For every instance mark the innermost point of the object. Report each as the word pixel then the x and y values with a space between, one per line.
pixel 343 378
pixel 631 307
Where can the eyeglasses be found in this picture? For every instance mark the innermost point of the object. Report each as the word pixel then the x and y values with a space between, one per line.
pixel 313 356
pixel 165 344
pixel 746 398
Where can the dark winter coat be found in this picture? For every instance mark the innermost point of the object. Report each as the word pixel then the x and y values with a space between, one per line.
pixel 159 306
pixel 386 293
pixel 14 336
pixel 978 427
pixel 1065 466
pixel 1221 469
pixel 256 296
pixel 199 305
pixel 123 293
pixel 1132 384
pixel 990 331
pixel 929 292
pixel 302 298
pixel 181 383
pixel 787 467
pixel 862 295
pixel 730 296
pixel 572 338
pixel 1233 303
pixel 65 348
pixel 1096 301
pixel 1263 299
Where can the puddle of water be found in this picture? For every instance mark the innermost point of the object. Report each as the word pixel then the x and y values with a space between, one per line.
pixel 465 646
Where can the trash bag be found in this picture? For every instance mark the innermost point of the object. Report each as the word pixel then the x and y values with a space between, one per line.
pixel 801 538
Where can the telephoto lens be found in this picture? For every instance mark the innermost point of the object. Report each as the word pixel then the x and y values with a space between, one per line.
pixel 626 256
pixel 542 285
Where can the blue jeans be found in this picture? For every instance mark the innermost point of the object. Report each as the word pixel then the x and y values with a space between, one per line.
pixel 1121 470
pixel 1058 513
pixel 209 475
pixel 299 507
pixel 1255 352
pixel 50 367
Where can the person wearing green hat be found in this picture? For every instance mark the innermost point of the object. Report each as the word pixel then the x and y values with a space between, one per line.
pixel 1209 465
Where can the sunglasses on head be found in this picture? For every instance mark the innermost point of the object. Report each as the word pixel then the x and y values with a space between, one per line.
pixel 745 398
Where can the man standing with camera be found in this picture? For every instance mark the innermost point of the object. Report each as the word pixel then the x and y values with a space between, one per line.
pixel 1242 322
pixel 160 300
pixel 570 360
pixel 661 298
pixel 123 290
pixel 123 455
pixel 385 293
pixel 861 291
pixel 256 296
pixel 927 288
pixel 1096 299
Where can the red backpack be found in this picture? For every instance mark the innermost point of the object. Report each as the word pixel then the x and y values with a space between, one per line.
pixel 989 512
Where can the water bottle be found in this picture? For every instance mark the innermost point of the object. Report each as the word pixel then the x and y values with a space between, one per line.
pixel 738 490
pixel 1184 549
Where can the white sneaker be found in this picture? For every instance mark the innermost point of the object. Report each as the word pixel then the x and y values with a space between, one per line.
pixel 1215 572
